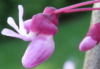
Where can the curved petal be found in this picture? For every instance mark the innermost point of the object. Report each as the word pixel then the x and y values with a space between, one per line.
pixel 27 24
pixel 20 8
pixel 87 43
pixel 12 23
pixel 39 50
pixel 69 65
pixel 21 24
pixel 11 33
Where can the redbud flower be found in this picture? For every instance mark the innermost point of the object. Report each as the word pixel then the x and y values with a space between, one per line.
pixel 92 38
pixel 40 30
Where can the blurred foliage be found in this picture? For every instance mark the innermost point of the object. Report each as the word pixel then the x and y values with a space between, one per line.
pixel 31 7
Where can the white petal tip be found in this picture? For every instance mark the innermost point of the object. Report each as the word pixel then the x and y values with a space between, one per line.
pixel 3 32
pixel 69 65
pixel 87 43
pixel 9 19
pixel 20 6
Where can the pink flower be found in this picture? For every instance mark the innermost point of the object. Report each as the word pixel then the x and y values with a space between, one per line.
pixel 40 33
pixel 40 30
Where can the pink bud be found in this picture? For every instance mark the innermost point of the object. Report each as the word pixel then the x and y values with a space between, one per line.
pixel 39 50
pixel 87 43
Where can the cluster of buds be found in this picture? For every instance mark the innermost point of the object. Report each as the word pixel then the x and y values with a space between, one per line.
pixel 40 30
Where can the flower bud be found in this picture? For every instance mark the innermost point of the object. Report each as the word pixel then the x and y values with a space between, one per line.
pixel 92 38
pixel 87 43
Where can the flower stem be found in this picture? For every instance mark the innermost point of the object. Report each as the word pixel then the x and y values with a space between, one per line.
pixel 92 57
pixel 74 6
pixel 80 10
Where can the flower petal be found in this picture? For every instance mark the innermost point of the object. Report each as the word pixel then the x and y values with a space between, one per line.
pixel 11 33
pixel 21 24
pixel 39 50
pixel 87 43
pixel 20 8
pixel 27 24
pixel 69 65
pixel 12 23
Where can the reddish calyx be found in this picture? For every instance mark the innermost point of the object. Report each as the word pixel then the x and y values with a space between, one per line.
pixel 94 32
pixel 55 17
pixel 42 24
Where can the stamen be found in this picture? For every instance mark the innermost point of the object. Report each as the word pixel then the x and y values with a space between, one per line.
pixel 80 10
pixel 74 6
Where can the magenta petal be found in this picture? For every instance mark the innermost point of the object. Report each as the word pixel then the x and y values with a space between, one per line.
pixel 87 43
pixel 27 24
pixel 39 50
